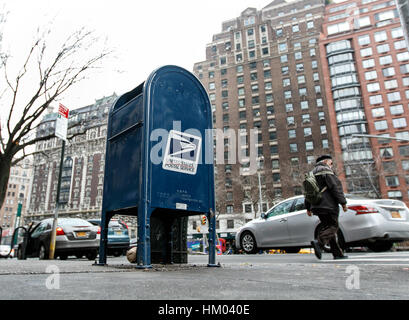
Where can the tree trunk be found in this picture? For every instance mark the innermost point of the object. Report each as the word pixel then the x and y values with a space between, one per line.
pixel 5 165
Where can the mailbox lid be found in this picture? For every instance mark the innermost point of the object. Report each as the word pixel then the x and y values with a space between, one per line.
pixel 179 124
pixel 123 159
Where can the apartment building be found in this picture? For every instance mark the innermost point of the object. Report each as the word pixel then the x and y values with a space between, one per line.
pixel 263 71
pixel 18 191
pixel 83 165
pixel 366 71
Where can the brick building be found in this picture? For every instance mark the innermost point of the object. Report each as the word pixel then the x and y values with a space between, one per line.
pixel 83 166
pixel 366 68
pixel 263 71
pixel 18 189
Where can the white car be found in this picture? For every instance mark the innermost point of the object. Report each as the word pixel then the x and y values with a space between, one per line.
pixel 374 223
pixel 4 251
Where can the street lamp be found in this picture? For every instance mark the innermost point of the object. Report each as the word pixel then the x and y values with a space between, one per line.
pixel 379 137
pixel 259 161
pixel 18 217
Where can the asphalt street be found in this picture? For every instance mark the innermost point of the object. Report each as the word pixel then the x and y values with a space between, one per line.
pixel 364 276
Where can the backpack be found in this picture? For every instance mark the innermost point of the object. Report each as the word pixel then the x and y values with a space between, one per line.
pixel 312 192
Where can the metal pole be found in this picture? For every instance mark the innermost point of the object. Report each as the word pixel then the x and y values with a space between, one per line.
pixel 259 193
pixel 17 222
pixel 53 230
pixel 259 185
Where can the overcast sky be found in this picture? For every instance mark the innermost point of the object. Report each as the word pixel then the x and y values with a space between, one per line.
pixel 144 34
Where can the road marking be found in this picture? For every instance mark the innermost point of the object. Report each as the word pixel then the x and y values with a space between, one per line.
pixel 368 260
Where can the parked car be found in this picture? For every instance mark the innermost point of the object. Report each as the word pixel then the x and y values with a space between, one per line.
pixel 133 243
pixel 374 223
pixel 118 236
pixel 5 251
pixel 73 237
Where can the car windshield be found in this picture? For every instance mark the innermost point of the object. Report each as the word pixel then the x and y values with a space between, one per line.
pixel 355 197
pixel 74 222
pixel 116 224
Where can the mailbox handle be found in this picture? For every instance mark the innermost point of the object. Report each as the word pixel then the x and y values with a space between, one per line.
pixel 137 124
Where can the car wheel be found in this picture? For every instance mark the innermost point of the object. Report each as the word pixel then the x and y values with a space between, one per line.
pixel 91 255
pixel 43 254
pixel 380 246
pixel 248 243
pixel 117 253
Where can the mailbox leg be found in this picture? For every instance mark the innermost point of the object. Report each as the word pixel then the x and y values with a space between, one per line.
pixel 212 240
pixel 103 245
pixel 144 239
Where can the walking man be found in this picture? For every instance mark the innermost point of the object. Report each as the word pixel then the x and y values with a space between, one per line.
pixel 327 209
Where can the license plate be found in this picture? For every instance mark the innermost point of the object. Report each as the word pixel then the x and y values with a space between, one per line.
pixel 81 234
pixel 118 233
pixel 396 215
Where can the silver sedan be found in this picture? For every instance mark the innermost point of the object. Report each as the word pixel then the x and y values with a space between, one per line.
pixel 375 223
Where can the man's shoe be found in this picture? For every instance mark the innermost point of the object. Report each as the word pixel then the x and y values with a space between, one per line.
pixel 317 249
pixel 340 257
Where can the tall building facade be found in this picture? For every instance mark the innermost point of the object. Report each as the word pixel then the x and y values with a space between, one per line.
pixel 366 68
pixel 18 191
pixel 82 176
pixel 263 72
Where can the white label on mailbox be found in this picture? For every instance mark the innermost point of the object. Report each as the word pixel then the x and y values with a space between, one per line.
pixel 182 152
pixel 181 206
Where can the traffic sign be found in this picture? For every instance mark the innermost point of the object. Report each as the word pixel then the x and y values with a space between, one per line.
pixel 61 124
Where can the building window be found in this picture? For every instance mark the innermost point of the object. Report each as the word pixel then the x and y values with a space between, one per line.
pixel 309 145
pixel 230 224
pixel 391 84
pixel 395 195
pixel 378 112
pixel 363 40
pixel 388 72
pixel 403 56
pixel 392 181
pixel 399 123
pixel 372 87
pixel 386 152
pixel 397 32
pixel 371 75
pixel 393 96
pixel 298 55
pixel 385 60
pixel 404 150
pixel 380 36
pixel 366 52
pixel 368 63
pixel 375 99
pixel 397 109
pixel 282 47
pixel 381 125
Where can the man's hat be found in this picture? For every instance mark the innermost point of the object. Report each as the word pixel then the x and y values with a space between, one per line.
pixel 323 157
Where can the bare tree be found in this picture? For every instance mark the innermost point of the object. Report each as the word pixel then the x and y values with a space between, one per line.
pixel 48 74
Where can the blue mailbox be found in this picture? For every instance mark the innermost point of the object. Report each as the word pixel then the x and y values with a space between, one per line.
pixel 159 157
